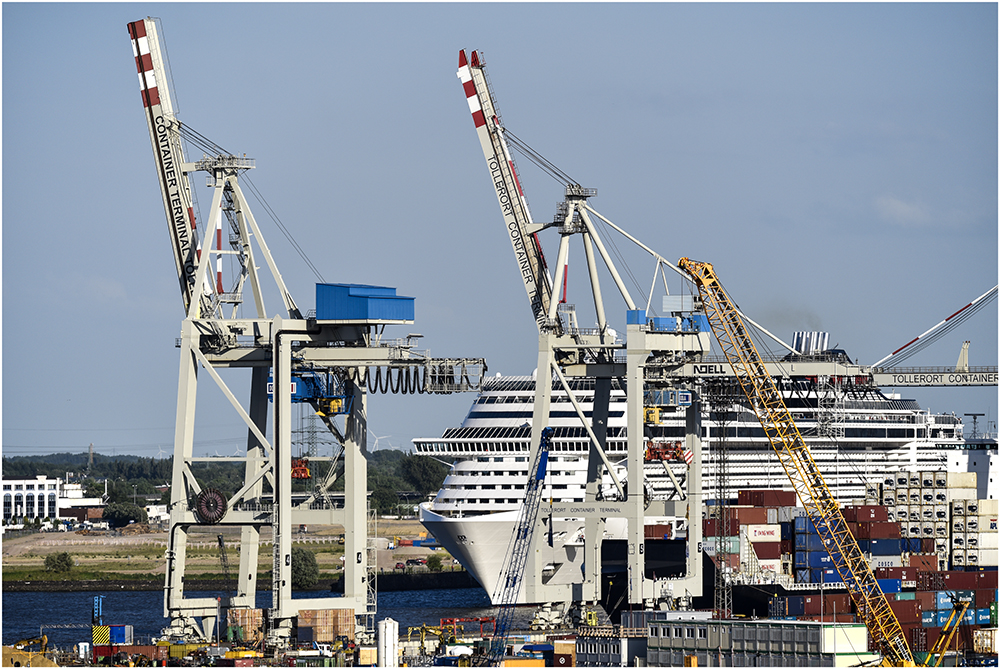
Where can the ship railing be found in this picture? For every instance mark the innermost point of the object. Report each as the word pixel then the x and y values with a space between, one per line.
pixel 989 369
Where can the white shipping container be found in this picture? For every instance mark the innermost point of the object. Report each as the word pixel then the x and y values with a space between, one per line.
pixel 941 530
pixel 957 525
pixel 987 523
pixel 763 533
pixel 915 496
pixel 940 479
pixel 987 540
pixel 988 507
pixel 951 494
pixel 958 508
pixel 770 565
pixel 878 561
pixel 914 480
pixel 927 513
pixel 958 540
pixel 927 479
pixel 971 557
pixel 988 557
pixel 788 514
pixel 961 480
pixel 941 512
pixel 772 516
pixel 958 557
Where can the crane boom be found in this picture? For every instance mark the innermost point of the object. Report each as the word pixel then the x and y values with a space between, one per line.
pixel 164 133
pixel 517 219
pixel 794 454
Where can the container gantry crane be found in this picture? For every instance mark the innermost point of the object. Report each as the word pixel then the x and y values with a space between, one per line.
pixel 567 351
pixel 766 401
pixel 219 333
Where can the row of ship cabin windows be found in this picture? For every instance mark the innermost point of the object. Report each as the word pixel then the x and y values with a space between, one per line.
pixel 29 486
pixel 19 505
pixel 679 632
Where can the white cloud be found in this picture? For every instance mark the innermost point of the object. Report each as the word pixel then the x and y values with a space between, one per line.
pixel 906 214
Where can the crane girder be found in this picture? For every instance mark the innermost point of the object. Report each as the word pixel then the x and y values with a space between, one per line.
pixel 521 230
pixel 795 457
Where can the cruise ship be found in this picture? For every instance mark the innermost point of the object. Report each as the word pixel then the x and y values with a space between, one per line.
pixel 856 434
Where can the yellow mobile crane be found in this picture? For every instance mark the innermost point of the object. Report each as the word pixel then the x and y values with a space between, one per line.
pixel 793 453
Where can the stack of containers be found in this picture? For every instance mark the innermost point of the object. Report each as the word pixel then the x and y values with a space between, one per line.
pixel 811 561
pixel 980 533
pixel 765 541
pixel 956 490
pixel 246 624
pixel 325 625
pixel 937 592
pixel 878 537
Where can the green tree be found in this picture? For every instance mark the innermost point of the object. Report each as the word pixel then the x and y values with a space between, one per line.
pixel 425 474
pixel 434 562
pixel 305 571
pixel 384 500
pixel 58 562
pixel 122 513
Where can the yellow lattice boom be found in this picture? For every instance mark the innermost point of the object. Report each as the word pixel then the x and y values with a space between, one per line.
pixel 793 453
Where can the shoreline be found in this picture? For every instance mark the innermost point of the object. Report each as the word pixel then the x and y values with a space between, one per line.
pixel 386 582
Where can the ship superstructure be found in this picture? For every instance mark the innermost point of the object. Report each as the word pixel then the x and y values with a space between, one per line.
pixel 473 512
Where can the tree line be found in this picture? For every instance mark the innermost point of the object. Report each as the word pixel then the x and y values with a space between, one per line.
pixel 394 477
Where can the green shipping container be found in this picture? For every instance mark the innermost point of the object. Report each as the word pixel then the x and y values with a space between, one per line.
pixel 905 595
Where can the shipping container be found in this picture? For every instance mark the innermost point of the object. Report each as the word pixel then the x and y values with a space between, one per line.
pixel 888 585
pixel 764 498
pixel 808 542
pixel 907 611
pixel 884 547
pixel 763 533
pixel 877 530
pixel 863 514
pixel 803 525
pixel 987 540
pixel 829 575
pixel 878 561
pixel 767 550
pixel 988 507
pixel 928 618
pixel 986 579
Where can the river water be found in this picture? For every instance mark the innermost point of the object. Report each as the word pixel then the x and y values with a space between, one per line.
pixel 25 614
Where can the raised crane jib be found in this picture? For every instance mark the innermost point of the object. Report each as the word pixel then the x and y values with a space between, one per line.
pixel 521 230
pixel 164 133
pixel 794 454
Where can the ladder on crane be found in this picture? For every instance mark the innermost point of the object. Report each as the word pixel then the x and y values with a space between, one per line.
pixel 794 454
pixel 511 576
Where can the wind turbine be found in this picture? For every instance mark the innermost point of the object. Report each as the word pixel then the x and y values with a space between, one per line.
pixel 375 447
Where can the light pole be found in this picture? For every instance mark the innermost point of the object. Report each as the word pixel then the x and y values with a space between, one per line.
pixel 134 487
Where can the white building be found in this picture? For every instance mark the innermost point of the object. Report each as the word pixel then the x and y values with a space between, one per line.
pixel 40 497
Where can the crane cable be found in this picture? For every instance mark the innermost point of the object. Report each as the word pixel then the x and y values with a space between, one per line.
pixel 206 145
pixel 938 331
pixel 550 168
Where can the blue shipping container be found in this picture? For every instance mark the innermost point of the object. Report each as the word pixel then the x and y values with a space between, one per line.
pixel 819 559
pixel 802 525
pixel 796 606
pixel 825 576
pixel 802 575
pixel 359 302
pixel 942 618
pixel 943 598
pixel 786 531
pixel 928 618
pixel 889 585
pixel 808 542
pixel 982 616
pixel 913 545
pixel 884 547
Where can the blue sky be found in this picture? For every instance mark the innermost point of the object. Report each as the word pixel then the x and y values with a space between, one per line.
pixel 836 162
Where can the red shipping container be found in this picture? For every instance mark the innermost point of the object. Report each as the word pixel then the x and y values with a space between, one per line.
pixel 902 573
pixel 906 610
pixel 711 527
pixel 766 498
pixel 959 580
pixel 748 515
pixel 862 514
pixel 767 550
pixel 841 603
pixel 927 600
pixel 918 639
pixel 923 563
pixel 878 530
pixel 986 579
pixel 829 618
pixel 658 531
pixel 985 597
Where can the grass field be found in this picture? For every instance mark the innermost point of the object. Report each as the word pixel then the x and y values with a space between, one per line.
pixel 113 557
